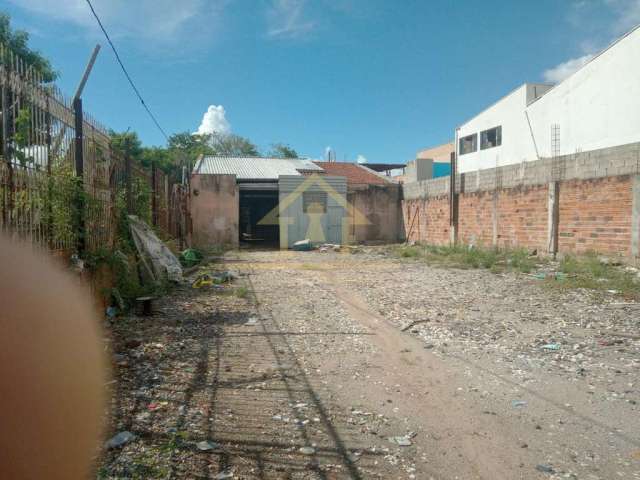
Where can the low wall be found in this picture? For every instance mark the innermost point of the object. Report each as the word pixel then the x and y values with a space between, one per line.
pixel 588 201
pixel 214 211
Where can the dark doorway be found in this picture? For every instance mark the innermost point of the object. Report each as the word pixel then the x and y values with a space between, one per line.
pixel 254 206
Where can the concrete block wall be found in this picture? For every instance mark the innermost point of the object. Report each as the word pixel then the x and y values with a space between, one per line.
pixel 598 204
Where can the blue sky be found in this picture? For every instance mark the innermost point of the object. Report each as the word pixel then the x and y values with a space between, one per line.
pixel 377 78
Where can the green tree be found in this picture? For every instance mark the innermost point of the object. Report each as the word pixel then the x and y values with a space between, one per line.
pixel 18 42
pixel 282 150
pixel 127 143
pixel 233 145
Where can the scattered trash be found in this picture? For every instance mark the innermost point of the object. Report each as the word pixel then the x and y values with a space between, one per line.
pixel 120 439
pixel 158 260
pixel 251 322
pixel 545 468
pixel 415 322
pixel 307 450
pixel 551 346
pixel 404 440
pixel 190 257
pixel 302 245
pixel 519 403
pixel 111 312
pixel 208 279
pixel 224 475
pixel 207 445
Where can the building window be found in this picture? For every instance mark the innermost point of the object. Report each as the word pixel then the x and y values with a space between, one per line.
pixel 491 138
pixel 314 202
pixel 469 144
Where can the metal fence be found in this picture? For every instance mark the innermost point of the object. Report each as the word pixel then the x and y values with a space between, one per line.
pixel 61 183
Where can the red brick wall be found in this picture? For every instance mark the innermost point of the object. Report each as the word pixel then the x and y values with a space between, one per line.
pixel 596 215
pixel 523 217
pixel 475 218
pixel 431 224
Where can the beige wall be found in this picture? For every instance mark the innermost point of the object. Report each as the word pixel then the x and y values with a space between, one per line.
pixel 214 210
pixel 381 205
pixel 441 153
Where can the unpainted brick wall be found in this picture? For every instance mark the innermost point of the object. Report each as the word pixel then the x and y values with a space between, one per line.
pixel 427 219
pixel 523 217
pixel 475 218
pixel 595 215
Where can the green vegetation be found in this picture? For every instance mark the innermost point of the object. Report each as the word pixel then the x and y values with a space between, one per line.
pixel 590 271
pixel 585 271
pixel 241 292
pixel 464 256
pixel 17 41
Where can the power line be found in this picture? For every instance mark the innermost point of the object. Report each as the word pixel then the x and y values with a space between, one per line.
pixel 126 74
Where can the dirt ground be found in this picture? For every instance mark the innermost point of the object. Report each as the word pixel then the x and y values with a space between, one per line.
pixel 327 365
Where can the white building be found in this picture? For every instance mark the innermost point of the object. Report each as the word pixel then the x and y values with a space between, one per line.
pixel 596 107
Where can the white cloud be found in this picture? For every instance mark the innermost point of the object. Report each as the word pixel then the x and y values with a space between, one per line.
pixel 157 21
pixel 361 159
pixel 287 19
pixel 624 15
pixel 214 121
pixel 563 70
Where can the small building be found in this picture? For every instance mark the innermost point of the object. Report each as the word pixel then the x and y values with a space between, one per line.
pixel 596 107
pixel 277 202
pixel 429 163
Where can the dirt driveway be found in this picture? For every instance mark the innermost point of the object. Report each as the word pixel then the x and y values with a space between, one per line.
pixel 332 365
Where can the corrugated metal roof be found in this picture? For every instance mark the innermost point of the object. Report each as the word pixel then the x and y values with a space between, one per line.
pixel 254 168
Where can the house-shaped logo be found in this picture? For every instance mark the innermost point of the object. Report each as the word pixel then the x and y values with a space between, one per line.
pixel 314 207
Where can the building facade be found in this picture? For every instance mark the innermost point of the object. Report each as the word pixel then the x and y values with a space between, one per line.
pixel 597 107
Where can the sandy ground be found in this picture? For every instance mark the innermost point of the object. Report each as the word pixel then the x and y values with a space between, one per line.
pixel 365 366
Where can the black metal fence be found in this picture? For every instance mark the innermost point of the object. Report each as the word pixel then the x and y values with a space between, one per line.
pixel 61 183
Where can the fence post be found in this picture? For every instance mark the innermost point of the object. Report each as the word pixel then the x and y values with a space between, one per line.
pixel 79 160
pixel 127 181
pixel 7 202
pixel 154 200
pixel 453 202
pixel 50 186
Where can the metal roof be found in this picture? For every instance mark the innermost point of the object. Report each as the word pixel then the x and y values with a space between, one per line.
pixel 254 168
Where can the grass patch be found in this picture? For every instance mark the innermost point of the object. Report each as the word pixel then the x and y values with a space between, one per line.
pixel 463 256
pixel 241 292
pixel 589 271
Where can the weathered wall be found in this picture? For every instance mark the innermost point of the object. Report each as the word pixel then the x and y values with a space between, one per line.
pixel 598 204
pixel 596 215
pixel 427 218
pixel 214 210
pixel 381 205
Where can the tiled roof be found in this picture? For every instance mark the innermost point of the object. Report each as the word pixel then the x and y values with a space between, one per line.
pixel 254 168
pixel 356 174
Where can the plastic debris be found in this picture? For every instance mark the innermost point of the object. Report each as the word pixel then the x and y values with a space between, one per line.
pixel 545 468
pixel 519 403
pixel 190 257
pixel 224 475
pixel 307 450
pixel 551 346
pixel 120 439
pixel 207 445
pixel 403 440
pixel 302 245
